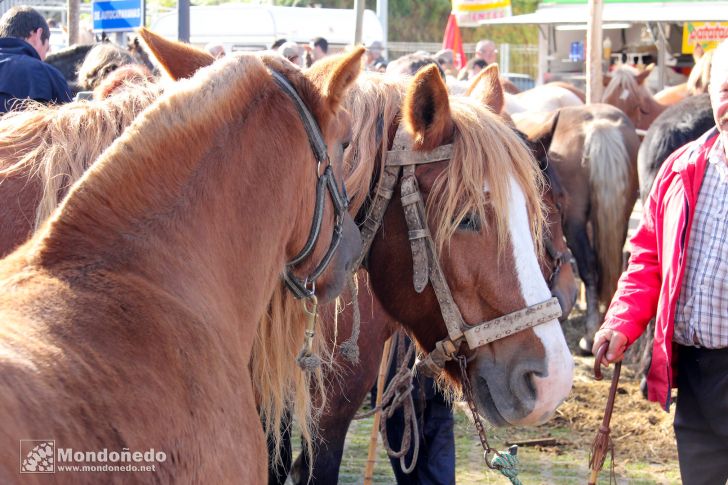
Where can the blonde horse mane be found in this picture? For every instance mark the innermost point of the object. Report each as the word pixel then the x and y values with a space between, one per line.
pixel 609 167
pixel 699 78
pixel 56 144
pixel 486 153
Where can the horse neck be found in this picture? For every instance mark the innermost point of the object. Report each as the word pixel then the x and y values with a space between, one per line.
pixel 205 222
pixel 651 109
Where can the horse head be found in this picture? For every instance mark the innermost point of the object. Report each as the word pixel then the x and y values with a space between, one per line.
pixel 484 214
pixel 626 91
pixel 324 240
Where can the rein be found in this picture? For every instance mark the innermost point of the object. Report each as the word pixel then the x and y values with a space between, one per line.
pixel 400 165
pixel 305 288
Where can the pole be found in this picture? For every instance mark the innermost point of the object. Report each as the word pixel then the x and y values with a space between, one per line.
pixel 73 8
pixel 594 48
pixel 372 456
pixel 359 10
pixel 383 14
pixel 183 21
pixel 661 56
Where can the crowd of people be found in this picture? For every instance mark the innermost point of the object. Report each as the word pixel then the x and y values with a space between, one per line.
pixel 677 271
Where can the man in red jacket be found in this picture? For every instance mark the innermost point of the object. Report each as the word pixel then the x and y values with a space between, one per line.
pixel 678 273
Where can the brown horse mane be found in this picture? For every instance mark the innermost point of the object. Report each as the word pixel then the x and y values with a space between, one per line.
pixel 56 144
pixel 459 189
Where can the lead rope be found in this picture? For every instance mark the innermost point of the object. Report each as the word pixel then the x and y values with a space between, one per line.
pixel 505 462
pixel 399 394
pixel 307 359
pixel 350 347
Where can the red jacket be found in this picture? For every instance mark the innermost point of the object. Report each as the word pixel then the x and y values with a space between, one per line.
pixel 651 284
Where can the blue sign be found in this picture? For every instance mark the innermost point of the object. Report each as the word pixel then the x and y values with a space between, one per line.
pixel 118 15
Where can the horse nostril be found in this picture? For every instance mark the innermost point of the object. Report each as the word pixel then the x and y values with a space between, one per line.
pixel 523 384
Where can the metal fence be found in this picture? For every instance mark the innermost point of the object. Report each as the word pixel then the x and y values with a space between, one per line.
pixel 514 58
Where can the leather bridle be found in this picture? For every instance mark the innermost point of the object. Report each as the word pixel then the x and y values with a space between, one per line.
pixel 400 165
pixel 558 258
pixel 305 288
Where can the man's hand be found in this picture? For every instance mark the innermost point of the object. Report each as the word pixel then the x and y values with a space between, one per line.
pixel 617 345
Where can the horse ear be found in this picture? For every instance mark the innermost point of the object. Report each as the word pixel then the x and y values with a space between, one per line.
pixel 606 79
pixel 643 75
pixel 335 74
pixel 487 87
pixel 542 137
pixel 177 59
pixel 426 110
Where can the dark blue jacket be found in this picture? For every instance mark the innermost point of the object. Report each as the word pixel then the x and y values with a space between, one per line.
pixel 23 75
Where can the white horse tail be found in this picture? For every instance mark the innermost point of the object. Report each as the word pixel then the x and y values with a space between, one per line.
pixel 609 177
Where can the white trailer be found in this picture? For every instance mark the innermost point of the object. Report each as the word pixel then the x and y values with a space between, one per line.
pixel 254 27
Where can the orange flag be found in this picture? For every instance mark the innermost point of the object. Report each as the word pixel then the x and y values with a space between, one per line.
pixel 453 41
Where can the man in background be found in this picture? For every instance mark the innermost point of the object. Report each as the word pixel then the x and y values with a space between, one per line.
pixel 318 49
pixel 24 44
pixel 486 50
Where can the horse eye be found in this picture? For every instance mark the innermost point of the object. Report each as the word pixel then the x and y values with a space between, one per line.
pixel 469 222
pixel 345 145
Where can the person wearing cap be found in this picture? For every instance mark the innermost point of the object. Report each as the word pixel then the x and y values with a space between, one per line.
pixel 24 44
pixel 375 60
pixel 291 51
pixel 446 59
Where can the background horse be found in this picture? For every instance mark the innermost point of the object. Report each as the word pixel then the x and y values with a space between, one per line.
pixel 544 98
pixel 675 127
pixel 626 91
pixel 44 149
pixel 119 310
pixel 594 152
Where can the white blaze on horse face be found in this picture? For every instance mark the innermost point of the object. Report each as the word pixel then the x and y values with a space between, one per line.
pixel 554 387
pixel 624 95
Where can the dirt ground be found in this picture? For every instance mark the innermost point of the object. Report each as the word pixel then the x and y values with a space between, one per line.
pixel 645 450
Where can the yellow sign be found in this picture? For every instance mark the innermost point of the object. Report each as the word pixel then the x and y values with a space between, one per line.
pixel 707 34
pixel 470 12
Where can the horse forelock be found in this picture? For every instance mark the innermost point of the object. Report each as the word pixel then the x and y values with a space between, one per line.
pixel 623 82
pixel 373 103
pixel 487 153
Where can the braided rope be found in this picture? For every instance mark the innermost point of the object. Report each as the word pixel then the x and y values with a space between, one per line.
pixel 350 347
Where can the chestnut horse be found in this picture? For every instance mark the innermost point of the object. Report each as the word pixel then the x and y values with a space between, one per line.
pixel 352 382
pixel 375 104
pixel 626 91
pixel 128 318
pixel 594 152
